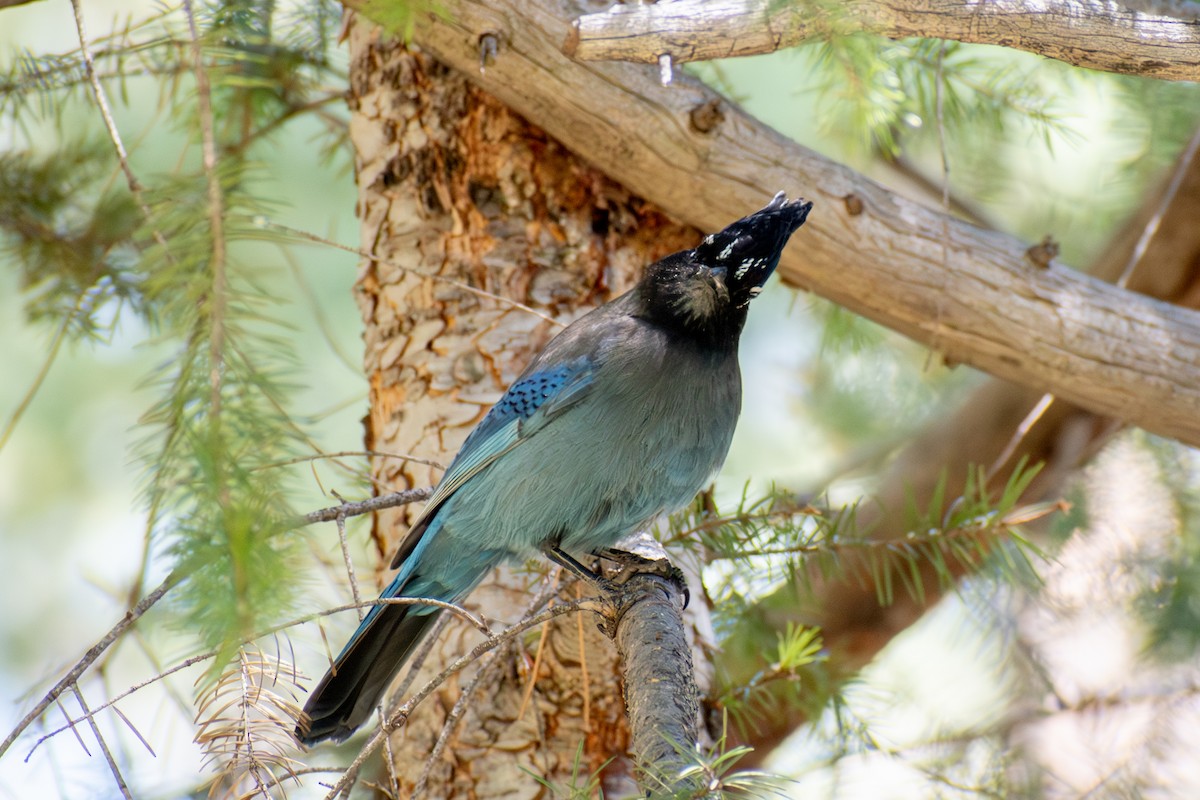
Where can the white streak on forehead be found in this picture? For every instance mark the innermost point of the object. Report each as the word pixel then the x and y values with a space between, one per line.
pixel 747 265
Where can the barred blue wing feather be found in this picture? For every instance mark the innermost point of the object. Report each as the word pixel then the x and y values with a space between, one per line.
pixel 535 398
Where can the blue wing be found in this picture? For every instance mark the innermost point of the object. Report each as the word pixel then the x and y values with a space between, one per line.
pixel 532 401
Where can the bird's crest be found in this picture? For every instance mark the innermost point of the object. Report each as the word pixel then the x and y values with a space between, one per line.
pixel 749 249
pixel 704 291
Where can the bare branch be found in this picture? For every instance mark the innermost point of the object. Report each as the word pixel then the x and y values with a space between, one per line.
pixel 349 562
pixel 108 757
pixel 878 254
pixel 90 657
pixel 1086 33
pixel 389 500
pixel 135 186
pixel 354 453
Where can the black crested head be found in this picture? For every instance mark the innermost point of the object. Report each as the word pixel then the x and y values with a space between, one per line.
pixel 704 292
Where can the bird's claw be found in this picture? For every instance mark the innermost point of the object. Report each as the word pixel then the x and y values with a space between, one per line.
pixel 633 564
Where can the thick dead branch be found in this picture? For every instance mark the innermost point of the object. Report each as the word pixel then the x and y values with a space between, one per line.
pixel 1086 33
pixel 968 293
pixel 854 626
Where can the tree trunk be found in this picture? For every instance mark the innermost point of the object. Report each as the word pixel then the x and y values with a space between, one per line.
pixel 453 184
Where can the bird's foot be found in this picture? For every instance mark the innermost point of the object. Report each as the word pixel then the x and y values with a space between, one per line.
pixel 568 562
pixel 633 564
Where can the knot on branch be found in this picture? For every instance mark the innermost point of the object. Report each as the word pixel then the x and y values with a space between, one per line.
pixel 707 116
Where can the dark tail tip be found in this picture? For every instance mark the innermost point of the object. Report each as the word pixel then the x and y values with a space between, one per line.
pixel 350 692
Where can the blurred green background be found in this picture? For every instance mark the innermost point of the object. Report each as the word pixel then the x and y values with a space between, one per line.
pixel 1040 149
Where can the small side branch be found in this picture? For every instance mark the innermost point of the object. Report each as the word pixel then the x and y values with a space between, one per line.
pixel 389 500
pixel 1091 34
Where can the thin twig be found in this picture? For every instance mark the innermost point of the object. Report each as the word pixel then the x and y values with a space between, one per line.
pixel 389 759
pixel 135 186
pixel 341 528
pixel 133 729
pixel 110 124
pixel 748 516
pixel 1022 430
pixel 112 764
pixel 317 308
pixel 390 500
pixel 453 718
pixel 90 656
pixel 941 127
pixel 940 539
pixel 71 724
pixel 1181 168
pixel 475 622
pixel 302 434
pixel 38 380
pixel 354 453
pixel 312 237
pixel 418 659
pixel 82 308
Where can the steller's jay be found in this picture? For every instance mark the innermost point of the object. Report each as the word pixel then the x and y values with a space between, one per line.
pixel 625 415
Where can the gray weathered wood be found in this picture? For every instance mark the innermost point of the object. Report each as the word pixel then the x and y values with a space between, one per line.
pixel 1087 33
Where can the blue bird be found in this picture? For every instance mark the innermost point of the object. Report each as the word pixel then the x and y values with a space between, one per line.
pixel 624 416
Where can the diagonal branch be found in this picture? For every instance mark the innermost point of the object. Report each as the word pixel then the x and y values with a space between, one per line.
pixel 854 626
pixel 69 680
pixel 1097 35
pixel 986 303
